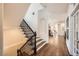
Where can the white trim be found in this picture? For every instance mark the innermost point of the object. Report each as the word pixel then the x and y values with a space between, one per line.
pixel 37 43
pixel 41 46
pixel 13 45
pixel 38 39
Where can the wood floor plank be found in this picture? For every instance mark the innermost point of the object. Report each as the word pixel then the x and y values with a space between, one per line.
pixel 55 47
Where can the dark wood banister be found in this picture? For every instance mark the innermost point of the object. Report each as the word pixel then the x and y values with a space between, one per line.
pixel 30 39
pixel 27 42
pixel 28 26
pixel 35 45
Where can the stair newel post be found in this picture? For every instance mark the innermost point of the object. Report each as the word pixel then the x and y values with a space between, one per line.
pixel 35 45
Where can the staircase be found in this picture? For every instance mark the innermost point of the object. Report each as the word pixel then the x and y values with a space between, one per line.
pixel 33 44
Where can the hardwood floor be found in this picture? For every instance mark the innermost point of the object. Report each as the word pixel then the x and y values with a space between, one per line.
pixel 55 47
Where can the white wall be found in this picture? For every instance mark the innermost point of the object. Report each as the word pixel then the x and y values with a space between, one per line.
pixel 51 19
pixel 31 19
pixel 37 22
pixel 57 19
pixel 61 29
pixel 43 26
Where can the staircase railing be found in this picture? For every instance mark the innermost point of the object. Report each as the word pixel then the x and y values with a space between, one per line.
pixel 28 26
pixel 32 39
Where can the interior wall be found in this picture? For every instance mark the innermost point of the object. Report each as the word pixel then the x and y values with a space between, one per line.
pixel 12 34
pixel 13 14
pixel 43 26
pixel 57 19
pixel 31 16
pixel 43 29
pixel 1 31
pixel 61 29
pixel 53 19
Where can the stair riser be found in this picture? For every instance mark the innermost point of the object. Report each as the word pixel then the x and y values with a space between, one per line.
pixel 38 40
pixel 41 46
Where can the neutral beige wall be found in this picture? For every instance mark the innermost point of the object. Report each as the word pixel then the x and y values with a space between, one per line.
pixel 13 38
pixel 13 14
pixel 12 35
pixel 1 39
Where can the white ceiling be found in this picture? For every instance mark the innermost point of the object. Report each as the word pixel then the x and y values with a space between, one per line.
pixel 56 7
pixel 57 11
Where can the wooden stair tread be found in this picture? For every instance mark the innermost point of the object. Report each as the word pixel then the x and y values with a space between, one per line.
pixel 27 50
pixel 37 40
pixel 40 44
pixel 27 47
pixel 25 54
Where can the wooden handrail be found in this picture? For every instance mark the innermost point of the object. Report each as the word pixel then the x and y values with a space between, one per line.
pixel 27 42
pixel 34 35
pixel 28 26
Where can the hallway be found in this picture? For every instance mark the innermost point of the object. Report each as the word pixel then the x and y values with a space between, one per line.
pixel 55 47
pixel 32 28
